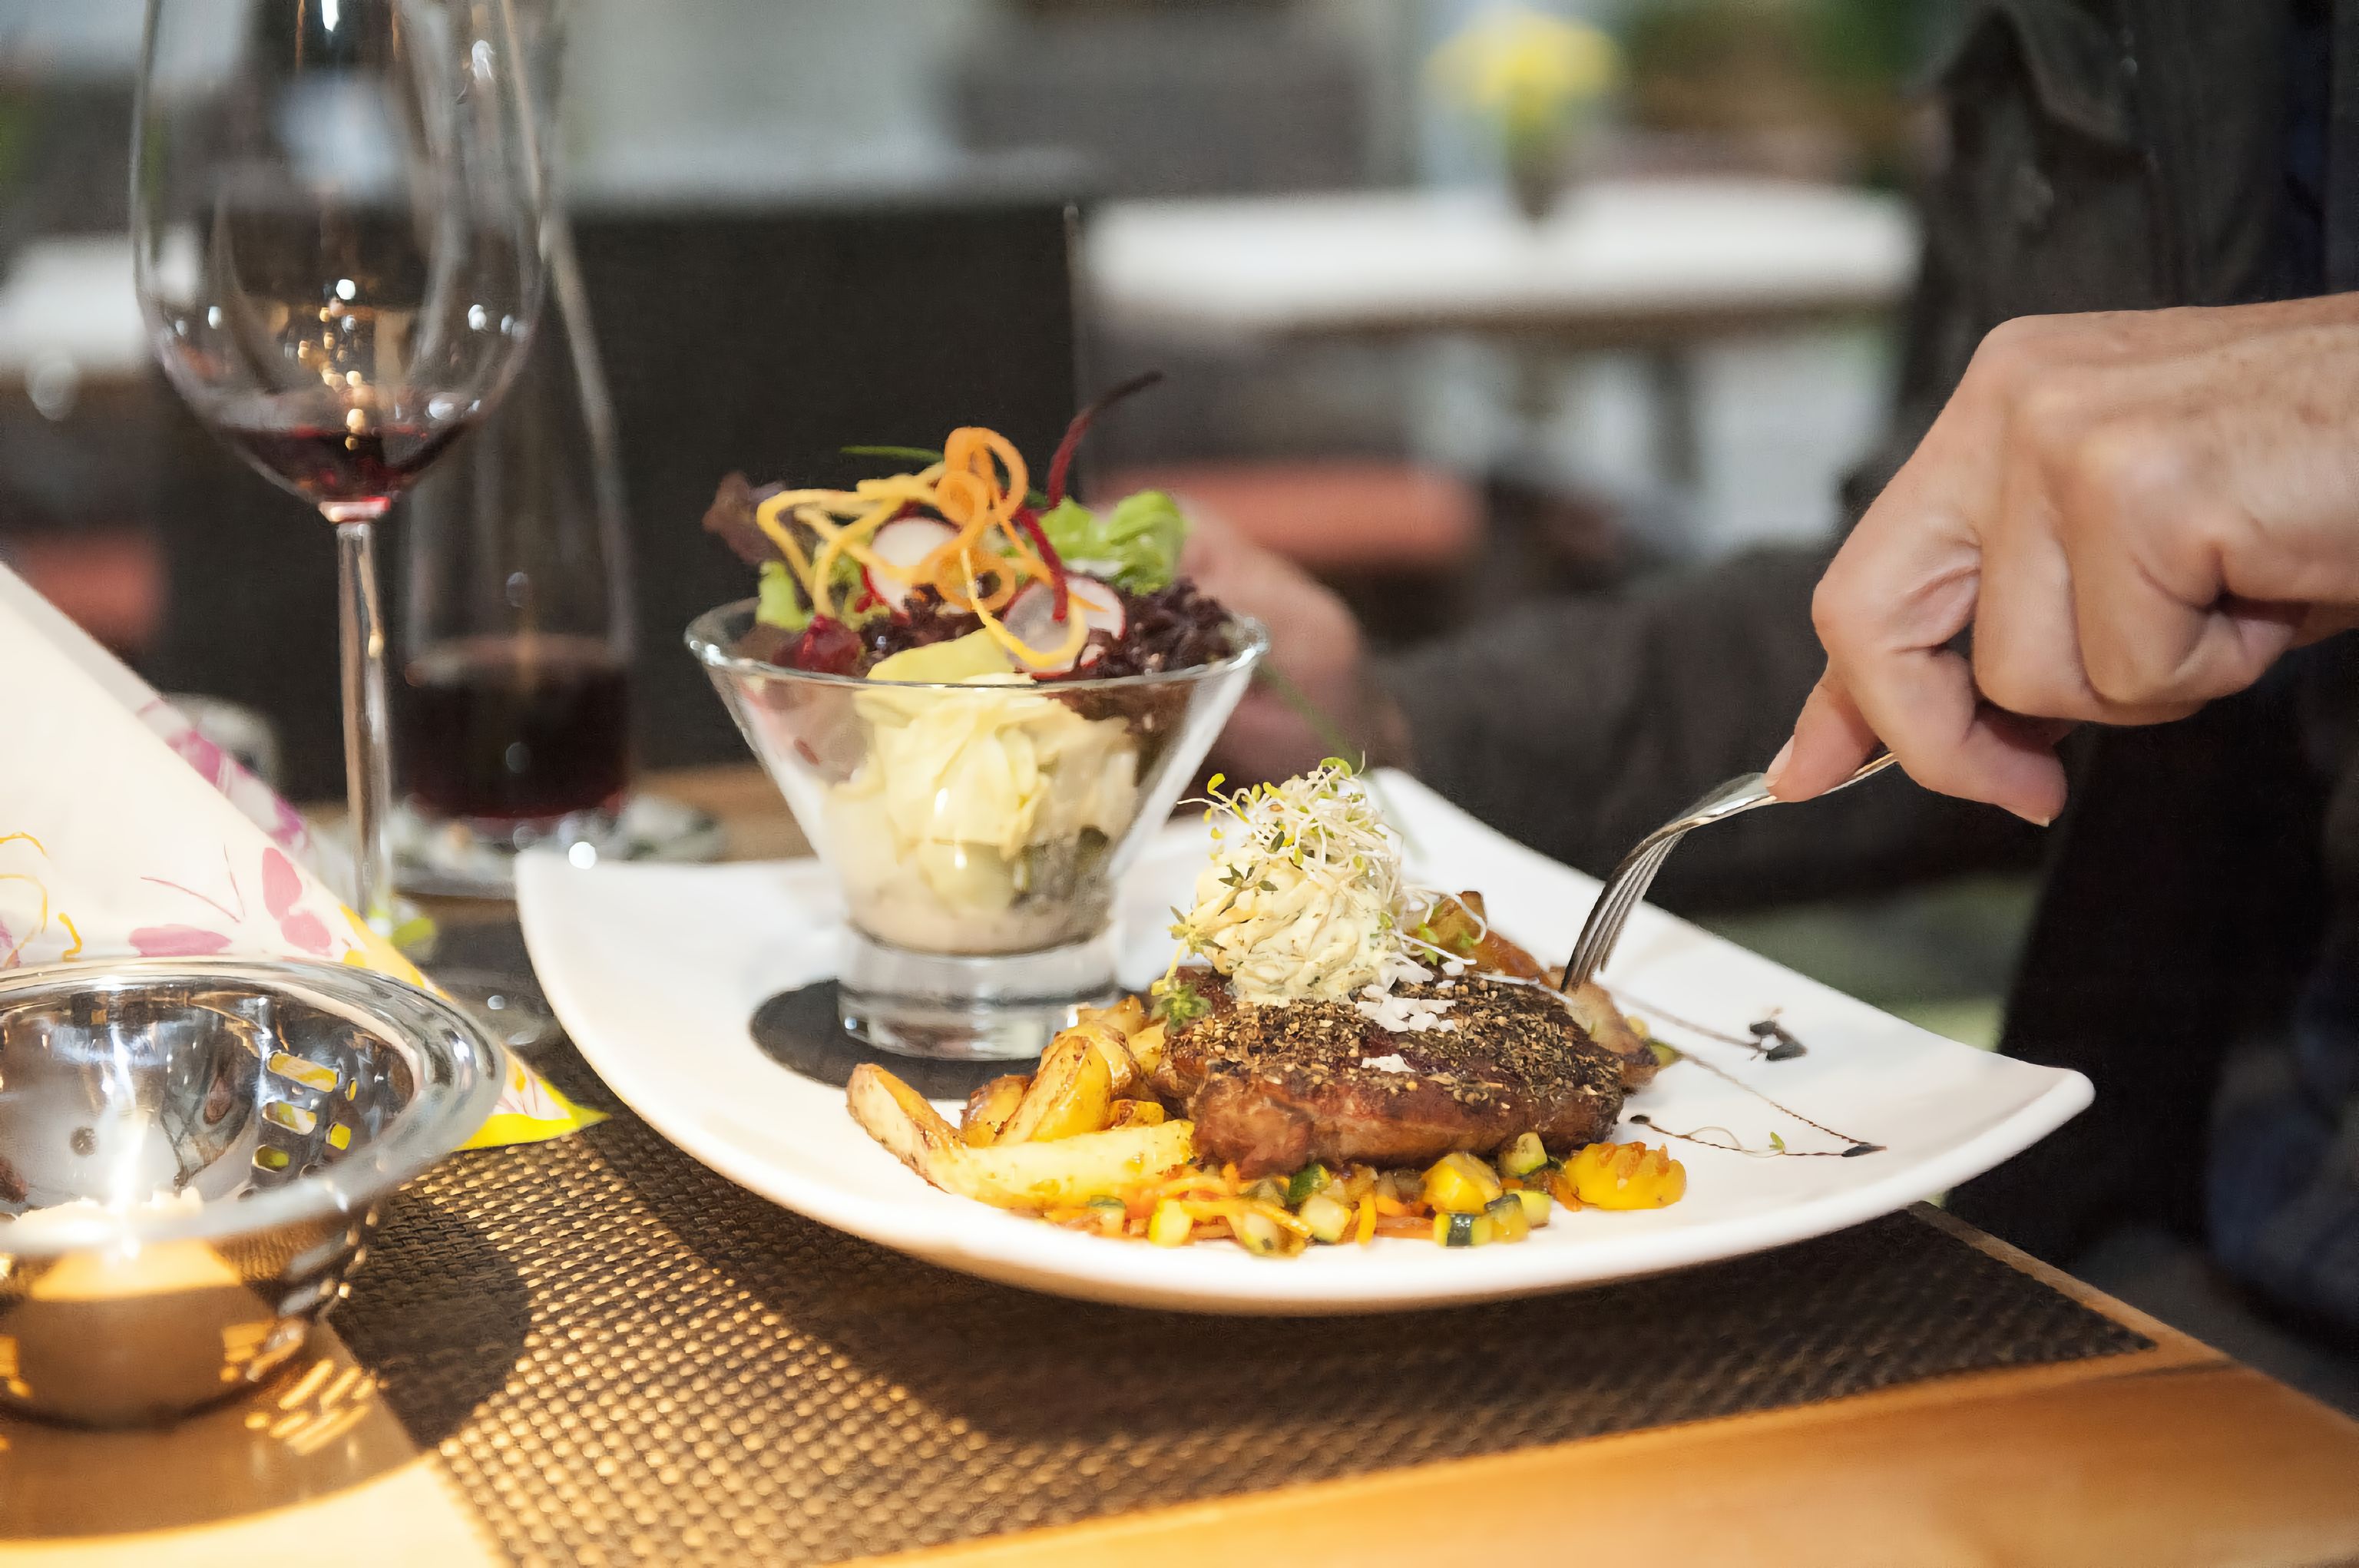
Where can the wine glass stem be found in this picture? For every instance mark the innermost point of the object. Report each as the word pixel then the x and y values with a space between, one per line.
pixel 368 772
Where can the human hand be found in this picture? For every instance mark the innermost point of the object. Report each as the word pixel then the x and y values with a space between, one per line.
pixel 1315 646
pixel 2135 512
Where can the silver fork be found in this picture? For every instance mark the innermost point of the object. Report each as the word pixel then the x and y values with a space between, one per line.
pixel 1628 885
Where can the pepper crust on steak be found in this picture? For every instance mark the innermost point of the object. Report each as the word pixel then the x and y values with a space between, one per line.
pixel 1273 1088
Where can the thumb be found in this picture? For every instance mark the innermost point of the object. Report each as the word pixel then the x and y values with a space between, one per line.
pixel 1831 740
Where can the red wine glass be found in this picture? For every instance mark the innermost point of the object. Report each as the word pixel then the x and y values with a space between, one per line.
pixel 337 220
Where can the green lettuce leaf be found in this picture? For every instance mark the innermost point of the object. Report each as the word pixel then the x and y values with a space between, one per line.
pixel 781 604
pixel 1135 543
pixel 781 599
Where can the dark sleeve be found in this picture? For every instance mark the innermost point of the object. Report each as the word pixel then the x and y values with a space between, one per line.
pixel 1581 725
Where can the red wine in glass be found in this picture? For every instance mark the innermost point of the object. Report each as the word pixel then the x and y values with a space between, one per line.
pixel 512 729
pixel 328 464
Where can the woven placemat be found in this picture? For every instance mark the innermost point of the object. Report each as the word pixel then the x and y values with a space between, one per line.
pixel 622 1358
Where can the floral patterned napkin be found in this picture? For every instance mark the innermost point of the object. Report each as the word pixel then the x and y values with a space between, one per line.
pixel 124 831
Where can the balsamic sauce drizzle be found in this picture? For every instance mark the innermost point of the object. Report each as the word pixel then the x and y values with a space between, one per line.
pixel 1756 1039
pixel 1786 1049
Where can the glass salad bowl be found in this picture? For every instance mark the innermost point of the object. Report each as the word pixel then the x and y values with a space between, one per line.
pixel 975 825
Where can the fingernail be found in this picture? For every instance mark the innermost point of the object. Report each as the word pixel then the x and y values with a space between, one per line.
pixel 1777 763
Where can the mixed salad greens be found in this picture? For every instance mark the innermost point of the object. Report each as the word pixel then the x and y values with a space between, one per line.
pixel 961 549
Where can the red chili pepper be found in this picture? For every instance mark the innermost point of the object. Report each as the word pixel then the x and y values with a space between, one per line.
pixel 1030 524
pixel 1062 462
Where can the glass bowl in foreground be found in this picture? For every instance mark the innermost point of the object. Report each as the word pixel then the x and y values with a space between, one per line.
pixel 976 830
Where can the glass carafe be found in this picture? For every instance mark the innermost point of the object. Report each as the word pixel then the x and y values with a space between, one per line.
pixel 513 711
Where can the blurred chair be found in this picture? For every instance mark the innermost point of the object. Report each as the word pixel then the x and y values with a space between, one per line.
pixel 767 342
pixel 78 412
pixel 759 339
pixel 250 598
pixel 78 459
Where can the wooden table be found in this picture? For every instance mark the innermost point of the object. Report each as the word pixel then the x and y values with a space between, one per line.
pixel 2174 1454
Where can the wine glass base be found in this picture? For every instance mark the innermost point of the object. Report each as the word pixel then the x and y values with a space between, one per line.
pixel 464 858
pixel 510 1008
pixel 993 1008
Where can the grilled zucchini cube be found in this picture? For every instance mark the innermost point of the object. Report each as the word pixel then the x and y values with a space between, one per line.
pixel 1330 1221
pixel 1312 1178
pixel 1465 1230
pixel 1257 1233
pixel 1536 1207
pixel 1508 1221
pixel 1523 1157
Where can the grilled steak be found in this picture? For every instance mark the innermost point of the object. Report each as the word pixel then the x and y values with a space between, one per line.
pixel 1273 1088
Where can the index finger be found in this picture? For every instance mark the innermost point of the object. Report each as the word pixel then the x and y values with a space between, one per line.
pixel 1902 587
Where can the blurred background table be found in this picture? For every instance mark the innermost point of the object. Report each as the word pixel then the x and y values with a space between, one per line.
pixel 68 315
pixel 1666 267
pixel 1621 262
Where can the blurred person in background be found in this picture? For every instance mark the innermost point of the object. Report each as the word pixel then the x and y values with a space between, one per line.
pixel 2196 948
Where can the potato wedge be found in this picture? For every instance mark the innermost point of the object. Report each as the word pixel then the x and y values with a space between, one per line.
pixel 1599 1019
pixel 989 1108
pixel 1147 1049
pixel 1127 1017
pixel 1121 1067
pixel 1072 1092
pixel 1011 1175
pixel 1137 1113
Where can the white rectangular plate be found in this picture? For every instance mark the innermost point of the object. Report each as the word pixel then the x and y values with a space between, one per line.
pixel 656 971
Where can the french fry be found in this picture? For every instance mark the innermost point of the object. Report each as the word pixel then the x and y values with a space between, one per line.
pixel 1072 1092
pixel 989 1108
pixel 1035 1176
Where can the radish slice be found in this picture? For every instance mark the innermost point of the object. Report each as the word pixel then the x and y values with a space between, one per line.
pixel 1100 609
pixel 1031 615
pixel 904 543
